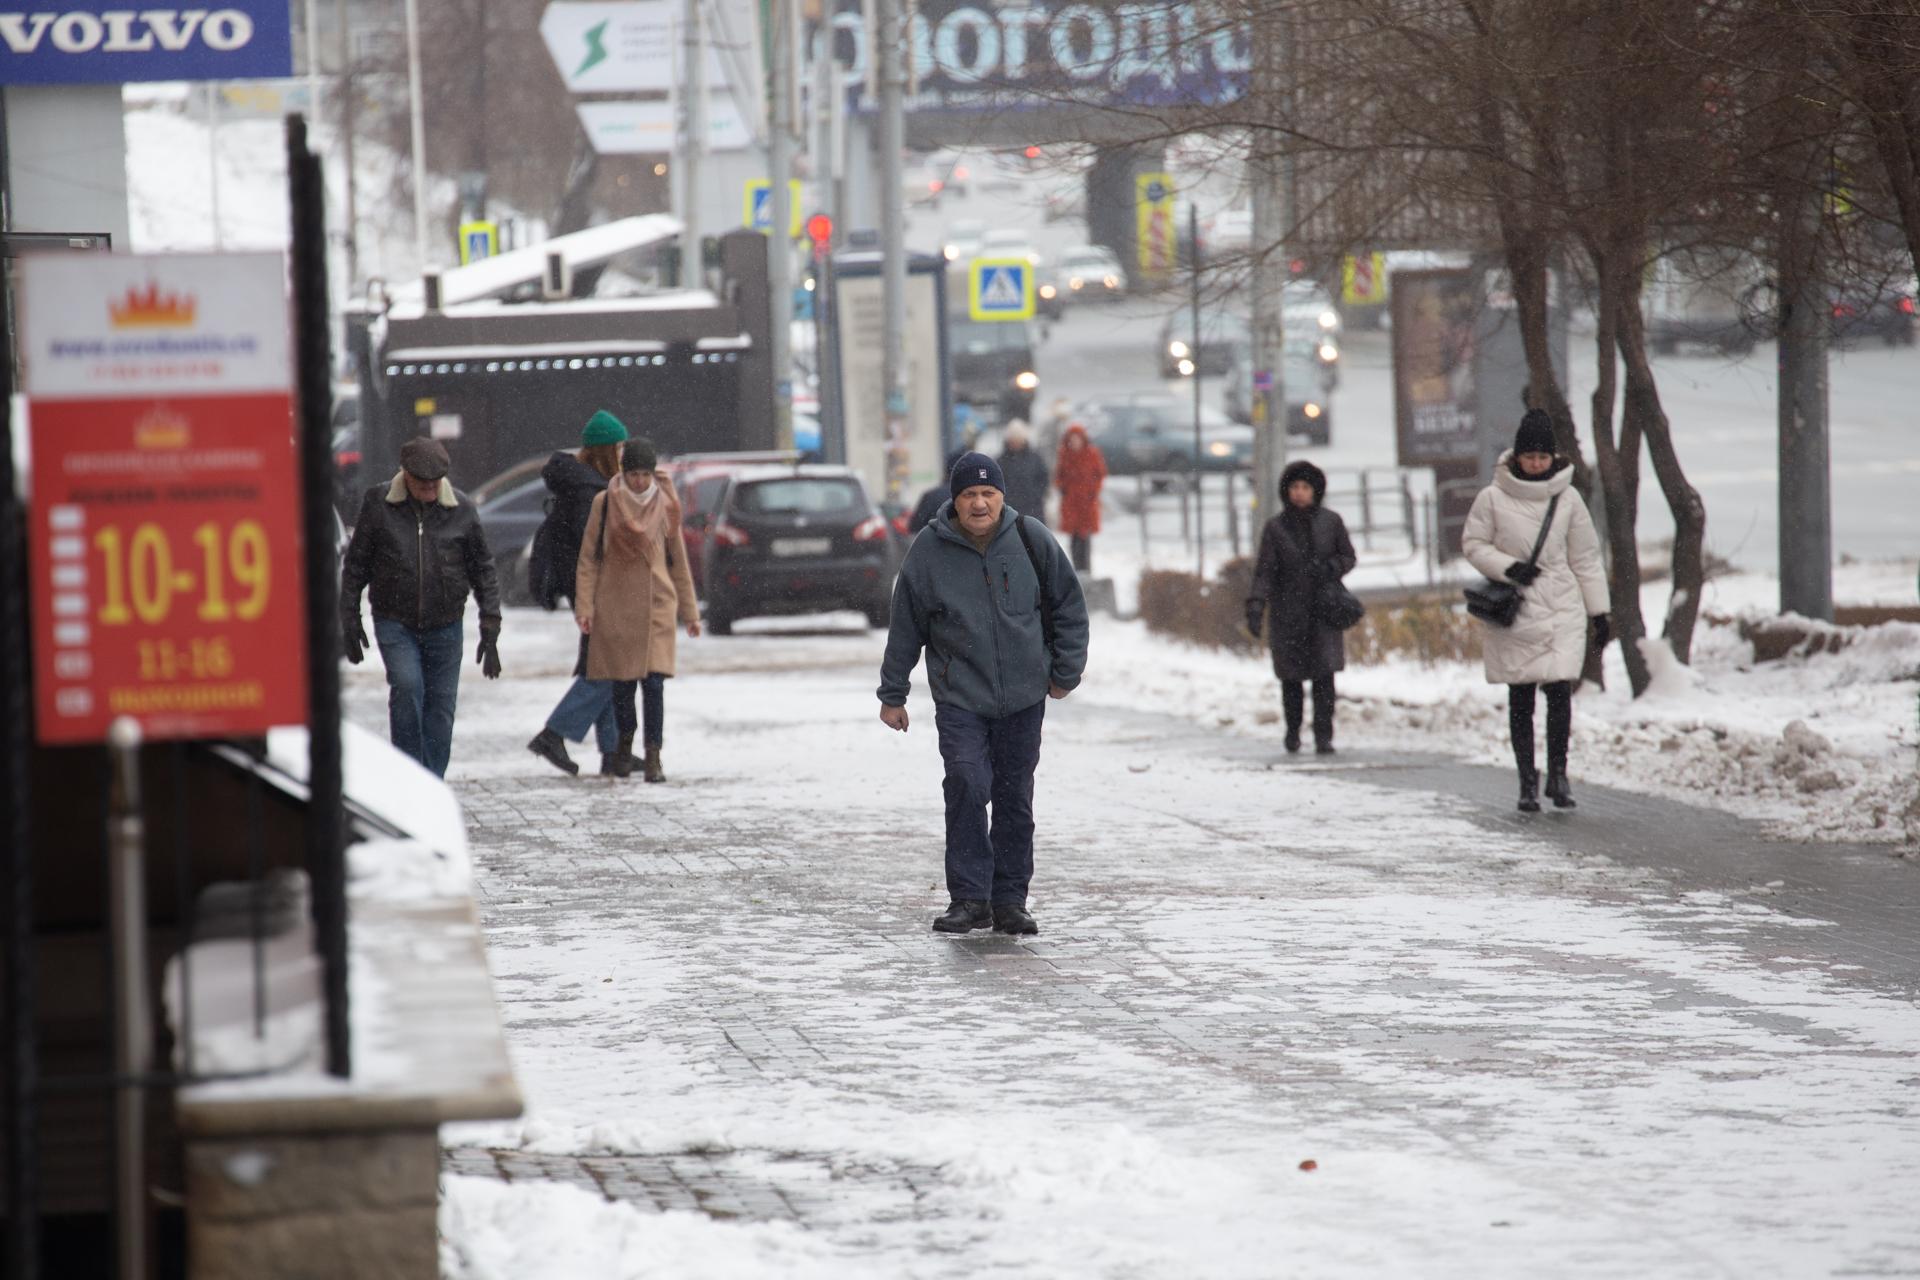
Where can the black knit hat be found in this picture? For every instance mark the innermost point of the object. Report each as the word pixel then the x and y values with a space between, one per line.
pixel 1535 434
pixel 971 469
pixel 1304 470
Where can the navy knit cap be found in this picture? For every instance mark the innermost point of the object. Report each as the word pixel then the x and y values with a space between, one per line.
pixel 1535 434
pixel 972 469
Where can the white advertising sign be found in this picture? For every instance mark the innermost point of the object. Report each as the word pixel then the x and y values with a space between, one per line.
pixel 647 128
pixel 862 316
pixel 106 326
pixel 624 47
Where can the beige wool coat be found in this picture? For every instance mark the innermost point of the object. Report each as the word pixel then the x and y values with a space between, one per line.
pixel 1548 640
pixel 633 591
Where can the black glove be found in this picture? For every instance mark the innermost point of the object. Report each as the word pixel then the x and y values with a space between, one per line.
pixel 353 637
pixel 1256 612
pixel 1602 630
pixel 1522 572
pixel 488 654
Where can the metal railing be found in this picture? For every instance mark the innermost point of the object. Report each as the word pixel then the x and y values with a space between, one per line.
pixel 1376 503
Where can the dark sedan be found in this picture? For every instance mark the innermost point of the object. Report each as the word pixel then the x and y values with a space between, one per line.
pixel 805 539
pixel 1153 431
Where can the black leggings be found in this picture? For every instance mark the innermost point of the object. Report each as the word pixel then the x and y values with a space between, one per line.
pixel 1293 697
pixel 653 708
pixel 1559 724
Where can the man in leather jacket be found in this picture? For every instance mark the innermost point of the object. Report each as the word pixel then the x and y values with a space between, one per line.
pixel 418 548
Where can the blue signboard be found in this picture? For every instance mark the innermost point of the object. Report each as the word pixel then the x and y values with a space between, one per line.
pixel 95 42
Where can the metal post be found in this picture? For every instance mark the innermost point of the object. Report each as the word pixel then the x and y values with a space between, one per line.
pixel 313 59
pixel 1427 530
pixel 417 135
pixel 325 822
pixel 1199 451
pixel 213 161
pixel 780 128
pixel 1140 489
pixel 1233 514
pixel 1267 284
pixel 889 53
pixel 1406 511
pixel 1366 512
pixel 132 1020
pixel 1806 488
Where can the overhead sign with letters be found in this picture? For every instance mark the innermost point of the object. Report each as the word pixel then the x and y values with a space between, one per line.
pixel 627 128
pixel 98 42
pixel 998 55
pixel 619 46
pixel 165 563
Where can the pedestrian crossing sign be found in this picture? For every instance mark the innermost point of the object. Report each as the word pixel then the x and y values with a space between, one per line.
pixel 1000 289
pixel 757 212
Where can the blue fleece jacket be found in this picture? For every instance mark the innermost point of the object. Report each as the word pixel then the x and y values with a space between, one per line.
pixel 977 615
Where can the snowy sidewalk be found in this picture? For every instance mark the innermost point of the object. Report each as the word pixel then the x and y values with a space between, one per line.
pixel 744 1053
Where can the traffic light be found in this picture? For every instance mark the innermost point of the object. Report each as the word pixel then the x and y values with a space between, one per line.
pixel 820 228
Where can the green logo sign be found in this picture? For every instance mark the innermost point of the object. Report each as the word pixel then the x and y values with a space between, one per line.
pixel 596 52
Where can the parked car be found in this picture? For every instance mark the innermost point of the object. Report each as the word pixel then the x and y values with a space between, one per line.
pixel 795 539
pixel 1153 431
pixel 1089 273
pixel 1885 312
pixel 511 506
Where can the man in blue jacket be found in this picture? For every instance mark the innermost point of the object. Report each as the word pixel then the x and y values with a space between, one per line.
pixel 995 604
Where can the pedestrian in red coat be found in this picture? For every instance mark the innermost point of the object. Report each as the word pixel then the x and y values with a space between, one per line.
pixel 1078 473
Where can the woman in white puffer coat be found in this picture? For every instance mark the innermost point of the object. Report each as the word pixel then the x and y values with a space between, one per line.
pixel 1563 596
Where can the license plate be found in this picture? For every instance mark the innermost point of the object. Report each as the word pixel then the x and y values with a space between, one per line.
pixel 802 546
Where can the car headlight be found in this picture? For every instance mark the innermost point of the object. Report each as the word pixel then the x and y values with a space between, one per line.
pixel 1311 409
pixel 1329 353
pixel 1186 368
pixel 1026 380
pixel 951 251
pixel 1033 259
pixel 1178 349
pixel 1048 291
pixel 1112 282
pixel 1329 320
pixel 1076 283
pixel 1220 449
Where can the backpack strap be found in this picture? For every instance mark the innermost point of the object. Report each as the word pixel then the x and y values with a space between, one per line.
pixel 1046 586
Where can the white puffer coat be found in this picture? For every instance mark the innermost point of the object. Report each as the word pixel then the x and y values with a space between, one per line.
pixel 1548 641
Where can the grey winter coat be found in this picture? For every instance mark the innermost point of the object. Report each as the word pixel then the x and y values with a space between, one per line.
pixel 978 618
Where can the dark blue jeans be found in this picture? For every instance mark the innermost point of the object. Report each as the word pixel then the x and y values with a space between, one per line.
pixel 423 683
pixel 989 762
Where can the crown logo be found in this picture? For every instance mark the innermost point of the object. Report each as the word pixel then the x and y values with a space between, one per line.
pixel 152 309
pixel 161 429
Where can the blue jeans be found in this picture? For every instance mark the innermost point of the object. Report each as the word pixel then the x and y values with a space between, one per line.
pixel 989 762
pixel 587 704
pixel 423 683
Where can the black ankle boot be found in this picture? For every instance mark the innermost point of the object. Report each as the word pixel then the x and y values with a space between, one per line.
pixel 962 915
pixel 1557 789
pixel 552 748
pixel 1529 792
pixel 1293 740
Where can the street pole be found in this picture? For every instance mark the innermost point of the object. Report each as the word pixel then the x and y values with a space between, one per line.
pixel 893 252
pixel 418 139
pixel 1193 472
pixel 780 126
pixel 693 143
pixel 345 93
pixel 213 161
pixel 1267 286
pixel 1806 487
pixel 313 60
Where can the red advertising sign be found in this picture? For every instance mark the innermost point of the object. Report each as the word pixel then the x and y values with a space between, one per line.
pixel 166 567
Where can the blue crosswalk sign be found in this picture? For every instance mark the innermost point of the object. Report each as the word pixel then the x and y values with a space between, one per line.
pixel 762 209
pixel 1000 289
pixel 756 211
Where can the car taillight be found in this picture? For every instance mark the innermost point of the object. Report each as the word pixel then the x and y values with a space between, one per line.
pixel 1906 306
pixel 903 523
pixel 730 535
pixel 872 529
pixel 351 457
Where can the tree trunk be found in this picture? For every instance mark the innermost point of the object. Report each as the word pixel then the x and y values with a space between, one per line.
pixel 1618 460
pixel 1641 406
pixel 1876 46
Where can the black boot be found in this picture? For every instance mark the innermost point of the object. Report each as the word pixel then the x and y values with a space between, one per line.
pixel 1323 746
pixel 1557 790
pixel 962 915
pixel 654 773
pixel 1293 740
pixel 1011 918
pixel 621 763
pixel 1529 791
pixel 552 748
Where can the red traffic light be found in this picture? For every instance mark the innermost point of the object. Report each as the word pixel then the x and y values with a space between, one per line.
pixel 819 228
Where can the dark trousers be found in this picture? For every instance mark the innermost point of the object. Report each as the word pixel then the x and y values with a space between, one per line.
pixel 1080 546
pixel 989 762
pixel 1520 703
pixel 653 708
pixel 1293 696
pixel 423 683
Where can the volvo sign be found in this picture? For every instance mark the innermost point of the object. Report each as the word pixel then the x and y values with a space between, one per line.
pixel 99 44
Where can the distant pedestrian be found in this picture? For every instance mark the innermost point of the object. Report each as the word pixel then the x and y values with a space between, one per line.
pixel 1079 472
pixel 1303 547
pixel 1563 595
pixel 935 497
pixel 417 550
pixel 998 610
pixel 1025 470
pixel 633 584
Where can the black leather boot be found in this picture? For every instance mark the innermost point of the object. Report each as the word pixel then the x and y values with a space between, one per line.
pixel 1557 790
pixel 552 748
pixel 621 763
pixel 963 915
pixel 1293 739
pixel 1009 917
pixel 654 773
pixel 1529 791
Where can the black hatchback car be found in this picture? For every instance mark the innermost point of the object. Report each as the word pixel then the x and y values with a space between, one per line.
pixel 799 539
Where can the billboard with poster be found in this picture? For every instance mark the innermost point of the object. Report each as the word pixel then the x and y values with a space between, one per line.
pixel 1435 397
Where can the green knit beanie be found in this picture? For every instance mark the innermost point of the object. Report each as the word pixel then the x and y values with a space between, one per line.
pixel 603 428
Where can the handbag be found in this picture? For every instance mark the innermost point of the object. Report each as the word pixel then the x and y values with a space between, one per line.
pixel 1497 602
pixel 1337 607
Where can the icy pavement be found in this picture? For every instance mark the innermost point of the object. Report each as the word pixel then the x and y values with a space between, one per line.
pixel 745 1054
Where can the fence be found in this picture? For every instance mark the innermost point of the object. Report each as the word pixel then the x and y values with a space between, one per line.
pixel 1377 503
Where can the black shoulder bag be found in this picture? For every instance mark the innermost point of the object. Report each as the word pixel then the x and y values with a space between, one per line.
pixel 1497 602
pixel 1046 587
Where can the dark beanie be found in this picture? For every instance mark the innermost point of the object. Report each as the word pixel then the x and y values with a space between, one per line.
pixel 1535 434
pixel 972 469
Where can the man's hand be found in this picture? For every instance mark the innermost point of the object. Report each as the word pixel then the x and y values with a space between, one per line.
pixel 488 654
pixel 353 637
pixel 894 717
pixel 1055 691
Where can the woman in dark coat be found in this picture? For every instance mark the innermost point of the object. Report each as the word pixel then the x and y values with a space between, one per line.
pixel 1303 546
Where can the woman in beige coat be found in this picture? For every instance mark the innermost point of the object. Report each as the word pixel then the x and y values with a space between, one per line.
pixel 1563 596
pixel 632 586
